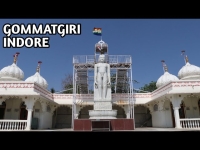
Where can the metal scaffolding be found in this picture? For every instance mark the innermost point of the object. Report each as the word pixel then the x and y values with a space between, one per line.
pixel 121 75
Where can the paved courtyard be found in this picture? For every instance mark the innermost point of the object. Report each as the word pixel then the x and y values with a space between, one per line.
pixel 137 129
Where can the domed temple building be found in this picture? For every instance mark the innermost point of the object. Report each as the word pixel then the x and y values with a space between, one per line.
pixel 26 104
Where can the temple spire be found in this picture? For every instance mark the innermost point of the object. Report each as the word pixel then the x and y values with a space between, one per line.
pixel 165 69
pixel 15 57
pixel 38 67
pixel 185 56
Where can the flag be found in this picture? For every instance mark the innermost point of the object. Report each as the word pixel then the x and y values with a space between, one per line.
pixel 182 52
pixel 97 31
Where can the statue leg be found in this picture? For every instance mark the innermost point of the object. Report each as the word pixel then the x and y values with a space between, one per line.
pixel 99 80
pixel 105 80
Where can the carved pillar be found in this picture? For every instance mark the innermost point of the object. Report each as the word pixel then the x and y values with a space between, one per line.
pixel 29 106
pixel 29 119
pixel 127 111
pixel 177 118
pixel 76 111
pixel 176 101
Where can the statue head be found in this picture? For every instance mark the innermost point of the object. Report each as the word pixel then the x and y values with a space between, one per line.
pixel 101 58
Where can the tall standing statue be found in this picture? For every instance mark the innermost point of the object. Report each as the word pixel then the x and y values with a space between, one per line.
pixel 102 76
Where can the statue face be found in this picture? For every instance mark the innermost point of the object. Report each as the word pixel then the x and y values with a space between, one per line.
pixel 101 58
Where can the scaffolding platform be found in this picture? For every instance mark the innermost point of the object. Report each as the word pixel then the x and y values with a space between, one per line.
pixel 120 69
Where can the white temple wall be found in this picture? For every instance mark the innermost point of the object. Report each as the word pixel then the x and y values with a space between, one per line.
pixel 162 117
pixel 191 107
pixel 12 109
pixel 46 120
pixel 37 111
pixel 158 119
pixel 168 114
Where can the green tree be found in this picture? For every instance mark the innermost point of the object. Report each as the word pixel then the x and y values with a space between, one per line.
pixel 148 87
pixel 52 90
pixel 67 84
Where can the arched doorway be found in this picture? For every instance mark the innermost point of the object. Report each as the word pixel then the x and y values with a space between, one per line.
pixel 23 112
pixel 2 110
pixel 84 112
pixel 63 117
pixel 172 114
pixel 142 116
pixel 199 106
pixel 182 110
pixel 120 111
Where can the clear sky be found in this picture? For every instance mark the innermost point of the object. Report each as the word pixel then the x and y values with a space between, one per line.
pixel 148 41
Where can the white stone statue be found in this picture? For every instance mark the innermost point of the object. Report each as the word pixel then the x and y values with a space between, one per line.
pixel 102 92
pixel 102 77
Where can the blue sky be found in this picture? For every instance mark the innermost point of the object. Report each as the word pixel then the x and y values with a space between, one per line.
pixel 148 41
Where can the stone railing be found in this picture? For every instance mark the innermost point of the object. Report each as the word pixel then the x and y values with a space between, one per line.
pixel 190 123
pixel 12 125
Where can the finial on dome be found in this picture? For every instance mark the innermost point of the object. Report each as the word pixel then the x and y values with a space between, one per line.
pixel 185 56
pixel 186 59
pixel 15 57
pixel 164 66
pixel 38 67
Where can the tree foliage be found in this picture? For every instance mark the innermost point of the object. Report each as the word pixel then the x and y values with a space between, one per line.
pixel 52 90
pixel 67 84
pixel 148 87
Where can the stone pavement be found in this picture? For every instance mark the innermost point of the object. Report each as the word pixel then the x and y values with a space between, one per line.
pixel 145 129
pixel 137 129
pixel 164 129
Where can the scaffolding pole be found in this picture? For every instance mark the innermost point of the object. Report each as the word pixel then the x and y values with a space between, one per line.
pixel 132 102
pixel 73 103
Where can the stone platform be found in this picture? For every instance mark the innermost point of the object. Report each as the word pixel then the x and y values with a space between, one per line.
pixel 114 124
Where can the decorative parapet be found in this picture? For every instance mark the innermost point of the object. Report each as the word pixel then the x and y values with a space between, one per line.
pixel 26 85
pixel 138 98
pixel 43 91
pixel 16 85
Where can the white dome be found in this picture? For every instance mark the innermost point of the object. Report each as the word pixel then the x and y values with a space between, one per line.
pixel 166 78
pixel 37 78
pixel 11 73
pixel 189 72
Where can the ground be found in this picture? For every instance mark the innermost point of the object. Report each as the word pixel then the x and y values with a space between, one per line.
pixel 137 129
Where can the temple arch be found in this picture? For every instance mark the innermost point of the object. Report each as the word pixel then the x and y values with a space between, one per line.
pixel 84 112
pixel 63 118
pixel 37 115
pixel 120 111
pixel 142 116
pixel 199 106
pixel 23 112
pixel 2 109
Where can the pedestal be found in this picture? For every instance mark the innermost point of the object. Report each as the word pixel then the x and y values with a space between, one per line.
pixel 102 114
pixel 115 124
pixel 102 110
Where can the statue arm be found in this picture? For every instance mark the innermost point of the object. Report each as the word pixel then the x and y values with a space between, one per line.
pixel 108 73
pixel 95 74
